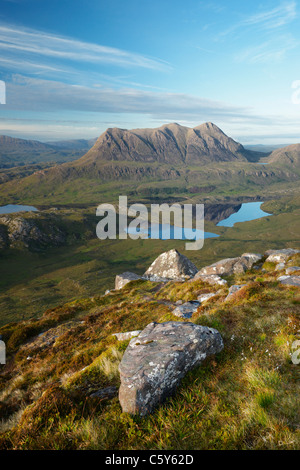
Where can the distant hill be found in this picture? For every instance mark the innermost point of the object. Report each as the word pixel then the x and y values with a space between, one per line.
pixel 75 144
pixel 16 152
pixel 287 156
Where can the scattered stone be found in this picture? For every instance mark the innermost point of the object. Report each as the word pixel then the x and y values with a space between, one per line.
pixel 123 279
pixel 292 269
pixel 186 310
pixel 155 362
pixel 126 335
pixel 280 256
pixel 105 393
pixel 212 279
pixel 204 297
pixel 233 290
pixel 290 280
pixel 171 265
pixel 280 266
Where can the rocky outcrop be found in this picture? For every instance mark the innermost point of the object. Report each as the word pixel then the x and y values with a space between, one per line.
pixel 280 256
pixel 229 266
pixel 18 231
pixel 292 269
pixel 155 362
pixel 205 297
pixel 171 265
pixel 123 279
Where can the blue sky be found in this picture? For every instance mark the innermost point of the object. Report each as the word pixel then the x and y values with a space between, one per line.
pixel 74 68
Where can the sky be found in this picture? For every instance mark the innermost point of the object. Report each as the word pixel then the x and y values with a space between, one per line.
pixel 73 68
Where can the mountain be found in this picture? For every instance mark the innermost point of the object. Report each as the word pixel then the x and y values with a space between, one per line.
pixel 15 151
pixel 287 156
pixel 170 143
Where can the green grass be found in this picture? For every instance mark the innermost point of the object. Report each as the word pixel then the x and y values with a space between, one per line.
pixel 246 397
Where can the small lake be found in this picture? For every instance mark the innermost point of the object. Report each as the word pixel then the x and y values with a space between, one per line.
pixel 167 232
pixel 248 211
pixel 11 208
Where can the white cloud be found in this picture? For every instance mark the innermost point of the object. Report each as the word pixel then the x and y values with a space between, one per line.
pixel 38 44
pixel 279 16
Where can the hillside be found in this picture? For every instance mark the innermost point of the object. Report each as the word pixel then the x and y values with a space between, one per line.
pixel 287 156
pixel 59 388
pixel 14 152
pixel 170 160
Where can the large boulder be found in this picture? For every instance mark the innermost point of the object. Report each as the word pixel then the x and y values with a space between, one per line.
pixel 123 279
pixel 229 266
pixel 171 265
pixel 280 256
pixel 155 362
pixel 233 291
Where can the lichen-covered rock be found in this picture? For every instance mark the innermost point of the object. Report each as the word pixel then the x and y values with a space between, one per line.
pixel 280 256
pixel 171 265
pixel 290 280
pixel 123 279
pixel 229 266
pixel 155 362
pixel 186 310
pixel 212 279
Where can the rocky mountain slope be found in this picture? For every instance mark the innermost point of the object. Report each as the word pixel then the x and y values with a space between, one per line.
pixel 170 143
pixel 69 374
pixel 286 156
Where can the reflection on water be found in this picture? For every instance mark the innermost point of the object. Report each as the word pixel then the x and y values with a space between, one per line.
pixel 248 211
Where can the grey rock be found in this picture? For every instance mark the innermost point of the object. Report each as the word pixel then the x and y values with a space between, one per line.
pixel 229 266
pixel 186 310
pixel 280 256
pixel 212 279
pixel 233 290
pixel 204 297
pixel 123 279
pixel 155 362
pixel 292 269
pixel 126 335
pixel 280 266
pixel 290 280
pixel 171 265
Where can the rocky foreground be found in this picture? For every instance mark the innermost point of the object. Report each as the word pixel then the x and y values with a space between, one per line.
pixel 219 340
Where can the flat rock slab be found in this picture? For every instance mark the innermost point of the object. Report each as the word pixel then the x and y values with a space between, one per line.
pixel 290 280
pixel 155 362
pixel 171 265
pixel 280 256
pixel 187 309
pixel 230 266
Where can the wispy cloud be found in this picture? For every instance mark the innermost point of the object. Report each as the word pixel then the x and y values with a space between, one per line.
pixel 38 45
pixel 279 16
pixel 272 51
pixel 267 20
